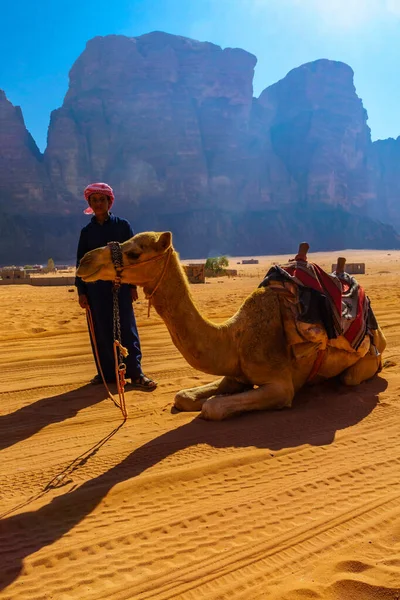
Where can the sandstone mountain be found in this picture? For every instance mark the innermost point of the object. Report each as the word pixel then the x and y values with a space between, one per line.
pixel 171 123
pixel 23 179
pixel 385 204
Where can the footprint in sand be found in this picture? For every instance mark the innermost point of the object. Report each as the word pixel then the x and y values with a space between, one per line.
pixel 38 329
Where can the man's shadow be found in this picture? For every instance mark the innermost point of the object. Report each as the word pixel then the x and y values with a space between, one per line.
pixel 28 420
pixel 314 419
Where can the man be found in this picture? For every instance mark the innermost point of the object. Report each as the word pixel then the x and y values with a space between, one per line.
pixel 104 227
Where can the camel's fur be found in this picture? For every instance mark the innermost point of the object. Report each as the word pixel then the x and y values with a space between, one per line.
pixel 263 353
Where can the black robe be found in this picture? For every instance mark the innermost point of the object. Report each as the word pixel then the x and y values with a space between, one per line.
pixel 100 297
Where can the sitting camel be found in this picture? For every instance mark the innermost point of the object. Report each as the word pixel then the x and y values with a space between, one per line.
pixel 263 353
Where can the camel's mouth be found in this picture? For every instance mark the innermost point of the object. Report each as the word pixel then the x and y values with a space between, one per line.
pixel 85 276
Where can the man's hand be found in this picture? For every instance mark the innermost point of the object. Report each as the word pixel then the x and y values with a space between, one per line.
pixel 83 301
pixel 134 294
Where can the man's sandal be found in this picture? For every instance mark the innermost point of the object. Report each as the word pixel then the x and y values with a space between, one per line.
pixel 144 384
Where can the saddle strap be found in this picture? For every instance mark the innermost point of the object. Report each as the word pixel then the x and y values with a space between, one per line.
pixel 316 366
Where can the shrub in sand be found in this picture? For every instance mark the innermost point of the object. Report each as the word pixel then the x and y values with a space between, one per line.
pixel 216 266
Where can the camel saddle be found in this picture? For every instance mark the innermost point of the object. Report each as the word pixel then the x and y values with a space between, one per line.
pixel 336 300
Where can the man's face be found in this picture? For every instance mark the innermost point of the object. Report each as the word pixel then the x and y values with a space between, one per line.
pixel 100 204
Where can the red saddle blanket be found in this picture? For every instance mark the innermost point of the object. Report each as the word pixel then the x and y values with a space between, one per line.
pixel 349 305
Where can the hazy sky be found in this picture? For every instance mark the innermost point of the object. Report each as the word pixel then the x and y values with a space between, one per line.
pixel 41 39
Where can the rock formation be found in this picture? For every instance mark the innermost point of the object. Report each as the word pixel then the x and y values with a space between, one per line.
pixel 161 117
pixel 318 128
pixel 31 226
pixel 24 185
pixel 385 205
pixel 172 125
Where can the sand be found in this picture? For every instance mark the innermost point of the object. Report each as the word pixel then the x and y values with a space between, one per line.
pixel 286 505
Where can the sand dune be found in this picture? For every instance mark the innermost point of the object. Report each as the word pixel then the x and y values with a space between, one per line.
pixel 300 504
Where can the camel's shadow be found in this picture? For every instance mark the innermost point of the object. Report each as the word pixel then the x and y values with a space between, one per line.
pixel 316 416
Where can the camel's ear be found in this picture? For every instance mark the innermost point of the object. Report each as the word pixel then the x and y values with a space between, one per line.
pixel 164 241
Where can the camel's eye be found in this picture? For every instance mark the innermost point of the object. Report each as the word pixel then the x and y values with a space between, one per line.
pixel 133 255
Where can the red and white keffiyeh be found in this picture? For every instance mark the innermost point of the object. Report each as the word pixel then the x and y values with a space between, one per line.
pixel 97 188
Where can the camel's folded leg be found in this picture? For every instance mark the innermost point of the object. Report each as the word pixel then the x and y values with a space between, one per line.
pixel 364 369
pixel 193 399
pixel 266 397
pixel 370 364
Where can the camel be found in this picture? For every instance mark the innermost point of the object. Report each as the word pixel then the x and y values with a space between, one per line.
pixel 263 355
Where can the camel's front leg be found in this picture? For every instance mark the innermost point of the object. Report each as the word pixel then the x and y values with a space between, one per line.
pixel 193 399
pixel 266 397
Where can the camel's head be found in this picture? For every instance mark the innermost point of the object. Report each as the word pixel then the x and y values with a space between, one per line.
pixel 139 255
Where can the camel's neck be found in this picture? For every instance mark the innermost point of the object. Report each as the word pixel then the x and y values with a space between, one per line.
pixel 206 346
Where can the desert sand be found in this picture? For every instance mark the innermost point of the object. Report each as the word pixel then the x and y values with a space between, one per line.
pixel 299 504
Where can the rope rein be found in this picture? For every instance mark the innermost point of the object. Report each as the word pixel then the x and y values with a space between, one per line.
pixel 120 352
pixel 121 404
pixel 168 253
pixel 150 296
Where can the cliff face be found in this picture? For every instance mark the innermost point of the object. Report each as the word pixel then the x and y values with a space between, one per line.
pixel 31 227
pixel 386 164
pixel 318 128
pixel 172 125
pixel 163 118
pixel 24 185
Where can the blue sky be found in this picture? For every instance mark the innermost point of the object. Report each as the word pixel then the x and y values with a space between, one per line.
pixel 40 41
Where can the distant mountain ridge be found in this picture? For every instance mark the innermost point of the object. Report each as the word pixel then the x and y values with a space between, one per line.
pixel 171 123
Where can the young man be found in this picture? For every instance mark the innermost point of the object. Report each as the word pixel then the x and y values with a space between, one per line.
pixel 104 227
